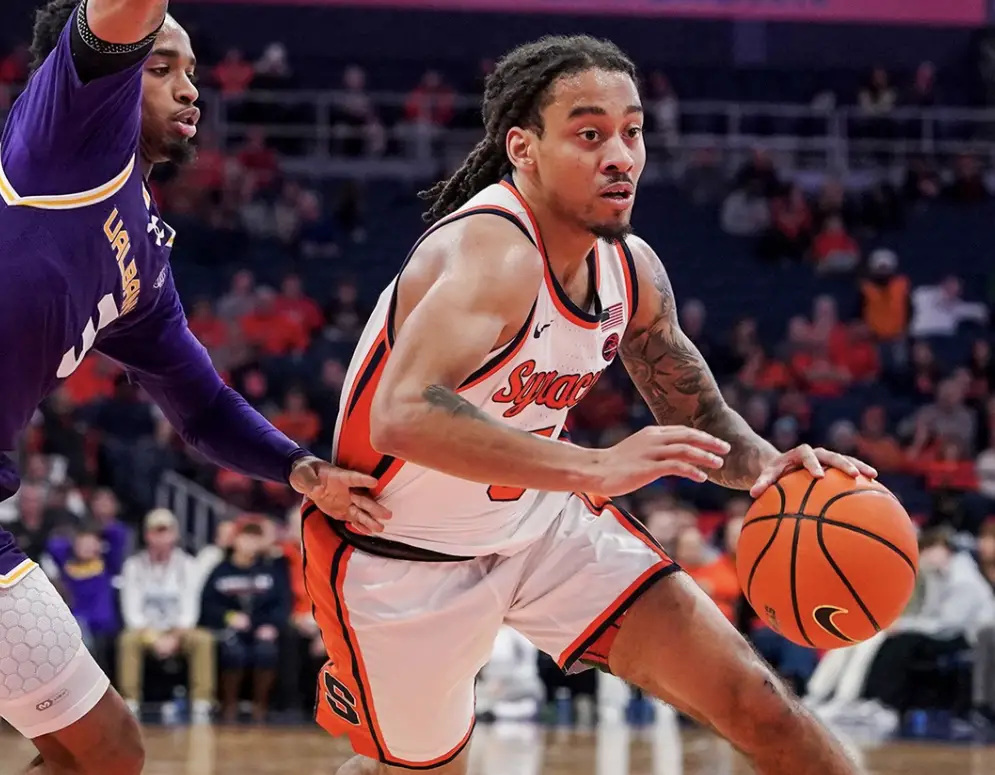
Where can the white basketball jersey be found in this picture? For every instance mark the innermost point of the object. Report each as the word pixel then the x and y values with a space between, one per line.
pixel 529 383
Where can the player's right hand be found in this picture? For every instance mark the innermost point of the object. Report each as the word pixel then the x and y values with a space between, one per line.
pixel 657 451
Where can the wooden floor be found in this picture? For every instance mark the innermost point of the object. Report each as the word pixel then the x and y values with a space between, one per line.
pixel 499 751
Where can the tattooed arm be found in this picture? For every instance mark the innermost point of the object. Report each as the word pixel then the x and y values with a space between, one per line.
pixel 674 379
pixel 469 288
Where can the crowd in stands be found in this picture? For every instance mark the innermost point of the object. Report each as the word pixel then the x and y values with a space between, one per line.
pixel 235 615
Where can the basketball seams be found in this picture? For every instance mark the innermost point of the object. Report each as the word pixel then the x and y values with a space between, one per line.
pixel 770 543
pixel 843 578
pixel 844 525
pixel 794 564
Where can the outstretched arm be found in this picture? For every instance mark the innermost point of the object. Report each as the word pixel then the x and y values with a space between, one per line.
pixel 674 379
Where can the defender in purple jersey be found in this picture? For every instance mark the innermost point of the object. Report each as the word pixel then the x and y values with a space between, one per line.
pixel 84 261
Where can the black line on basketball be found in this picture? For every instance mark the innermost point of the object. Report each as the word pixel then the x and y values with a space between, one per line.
pixel 756 562
pixel 794 580
pixel 807 495
pixel 784 498
pixel 846 526
pixel 844 579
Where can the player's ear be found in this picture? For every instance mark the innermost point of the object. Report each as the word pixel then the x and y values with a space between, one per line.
pixel 520 147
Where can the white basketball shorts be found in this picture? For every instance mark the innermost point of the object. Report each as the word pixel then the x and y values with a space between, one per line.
pixel 48 680
pixel 406 638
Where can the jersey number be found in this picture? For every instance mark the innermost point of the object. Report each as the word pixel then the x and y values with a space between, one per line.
pixel 502 494
pixel 340 699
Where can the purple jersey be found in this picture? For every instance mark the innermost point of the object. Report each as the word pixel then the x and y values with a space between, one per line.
pixel 84 266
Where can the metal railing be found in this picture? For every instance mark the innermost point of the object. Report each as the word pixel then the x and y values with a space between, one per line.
pixel 198 511
pixel 311 128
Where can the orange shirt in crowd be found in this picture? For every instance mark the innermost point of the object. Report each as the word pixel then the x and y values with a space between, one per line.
pixel 302 427
pixel 210 330
pixel 884 453
pixel 234 76
pixel 829 242
pixel 306 311
pixel 273 333
pixel 719 580
pixel 92 380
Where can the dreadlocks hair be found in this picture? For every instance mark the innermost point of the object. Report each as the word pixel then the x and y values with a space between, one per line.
pixel 50 20
pixel 515 95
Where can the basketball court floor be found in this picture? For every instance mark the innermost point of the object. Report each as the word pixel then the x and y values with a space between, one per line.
pixel 501 750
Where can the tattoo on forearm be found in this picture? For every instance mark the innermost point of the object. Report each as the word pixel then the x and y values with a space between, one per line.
pixel 445 399
pixel 679 389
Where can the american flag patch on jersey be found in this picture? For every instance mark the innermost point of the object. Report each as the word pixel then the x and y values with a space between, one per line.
pixel 612 317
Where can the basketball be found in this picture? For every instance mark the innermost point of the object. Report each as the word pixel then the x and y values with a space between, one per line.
pixel 827 562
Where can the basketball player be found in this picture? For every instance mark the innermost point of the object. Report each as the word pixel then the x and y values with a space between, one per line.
pixel 84 265
pixel 506 312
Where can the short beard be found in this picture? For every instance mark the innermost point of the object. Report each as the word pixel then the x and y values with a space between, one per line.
pixel 610 234
pixel 180 152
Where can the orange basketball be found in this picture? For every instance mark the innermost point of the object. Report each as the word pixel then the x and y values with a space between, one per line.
pixel 827 562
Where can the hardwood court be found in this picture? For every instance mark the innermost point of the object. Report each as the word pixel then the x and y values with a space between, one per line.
pixel 498 751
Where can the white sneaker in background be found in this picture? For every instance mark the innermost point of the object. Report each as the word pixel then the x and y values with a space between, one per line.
pixel 200 712
pixel 133 706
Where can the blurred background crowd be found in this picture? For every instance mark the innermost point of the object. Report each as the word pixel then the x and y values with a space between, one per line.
pixel 828 230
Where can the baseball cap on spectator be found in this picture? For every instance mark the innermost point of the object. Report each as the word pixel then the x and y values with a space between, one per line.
pixel 882 261
pixel 160 519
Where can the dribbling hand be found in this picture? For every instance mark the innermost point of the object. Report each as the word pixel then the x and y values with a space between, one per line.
pixel 657 451
pixel 339 493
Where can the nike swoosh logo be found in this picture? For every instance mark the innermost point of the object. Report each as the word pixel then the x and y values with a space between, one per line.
pixel 823 616
pixel 540 329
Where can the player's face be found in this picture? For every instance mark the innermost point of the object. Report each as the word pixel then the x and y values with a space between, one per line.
pixel 591 153
pixel 169 118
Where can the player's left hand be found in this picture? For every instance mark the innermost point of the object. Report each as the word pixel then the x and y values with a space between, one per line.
pixel 814 461
pixel 339 493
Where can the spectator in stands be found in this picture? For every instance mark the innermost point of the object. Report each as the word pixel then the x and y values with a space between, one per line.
pixel 693 316
pixel 968 186
pixel 345 315
pixel 885 301
pixel 938 310
pixel 947 420
pixel 87 566
pixel 272 70
pixel 757 414
pixel 881 209
pixel 743 340
pixel 356 127
pixel 316 238
pixel 876 445
pixel 246 602
pixel 982 370
pixel 270 330
pixel 233 74
pixel 795 404
pixel 211 330
pixel 160 604
pixel 859 356
pixel 985 473
pixel 240 299
pixel 790 232
pixel 877 99
pixel 211 556
pixel 286 213
pixel 785 433
pixel 923 376
pixel 30 530
pixel 713 571
pixel 922 181
pixel 834 202
pixel 922 94
pixel 958 603
pixel 349 211
pixel 705 183
pixel 746 212
pixel 430 103
pixel 294 303
pixel 324 397
pixel 297 420
pixel 762 372
pixel 665 109
pixel 984 650
pixel 833 250
pixel 258 161
pixel 759 170
pixel 63 434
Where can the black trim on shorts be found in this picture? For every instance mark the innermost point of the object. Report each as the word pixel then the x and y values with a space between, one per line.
pixel 622 607
pixel 382 547
pixel 357 674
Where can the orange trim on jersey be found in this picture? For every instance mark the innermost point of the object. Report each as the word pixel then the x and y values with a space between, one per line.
pixel 344 701
pixel 630 281
pixel 551 285
pixel 354 450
